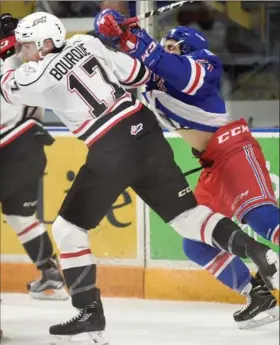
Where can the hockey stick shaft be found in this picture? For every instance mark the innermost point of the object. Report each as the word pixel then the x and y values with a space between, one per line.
pixel 152 13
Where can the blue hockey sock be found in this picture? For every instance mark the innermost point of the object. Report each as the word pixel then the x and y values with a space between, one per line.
pixel 228 269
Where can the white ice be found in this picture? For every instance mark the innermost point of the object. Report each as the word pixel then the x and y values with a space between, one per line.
pixel 135 322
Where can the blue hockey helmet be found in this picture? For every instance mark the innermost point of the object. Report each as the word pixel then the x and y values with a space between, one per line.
pixel 190 39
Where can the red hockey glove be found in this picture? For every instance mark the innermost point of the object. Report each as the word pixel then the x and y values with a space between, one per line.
pixel 109 27
pixel 7 47
pixel 128 41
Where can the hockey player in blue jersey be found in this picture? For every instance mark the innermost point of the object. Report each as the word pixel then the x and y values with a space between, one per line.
pixel 183 91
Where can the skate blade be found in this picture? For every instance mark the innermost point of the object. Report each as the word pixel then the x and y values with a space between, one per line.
pixel 267 317
pixel 50 294
pixel 91 338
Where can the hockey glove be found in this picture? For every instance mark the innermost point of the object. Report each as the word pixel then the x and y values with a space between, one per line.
pixel 7 47
pixel 8 25
pixel 133 40
pixel 139 44
pixel 107 24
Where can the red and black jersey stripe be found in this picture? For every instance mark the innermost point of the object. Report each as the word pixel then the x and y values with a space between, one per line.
pixel 139 75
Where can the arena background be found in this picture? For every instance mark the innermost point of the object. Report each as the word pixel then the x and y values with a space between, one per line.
pixel 138 255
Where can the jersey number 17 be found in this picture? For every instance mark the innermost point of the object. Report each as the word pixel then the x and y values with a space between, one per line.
pixel 93 69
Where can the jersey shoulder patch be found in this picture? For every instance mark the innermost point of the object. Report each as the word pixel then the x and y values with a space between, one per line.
pixel 30 74
pixel 207 59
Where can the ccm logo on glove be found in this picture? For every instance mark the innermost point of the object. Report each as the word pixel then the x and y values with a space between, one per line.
pixel 149 50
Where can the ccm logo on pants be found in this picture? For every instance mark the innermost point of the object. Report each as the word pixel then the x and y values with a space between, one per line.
pixel 184 192
pixel 232 133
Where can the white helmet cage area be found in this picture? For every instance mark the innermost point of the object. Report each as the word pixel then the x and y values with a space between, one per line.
pixel 40 26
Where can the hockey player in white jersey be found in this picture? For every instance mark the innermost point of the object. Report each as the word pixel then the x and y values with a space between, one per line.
pixel 22 141
pixel 84 83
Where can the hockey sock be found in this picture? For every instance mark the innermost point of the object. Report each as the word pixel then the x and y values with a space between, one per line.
pixel 227 268
pixel 40 251
pixel 228 236
pixel 81 284
pixel 34 238
pixel 77 262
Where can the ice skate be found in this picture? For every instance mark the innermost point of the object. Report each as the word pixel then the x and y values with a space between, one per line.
pixel 268 263
pixel 261 308
pixel 86 328
pixel 50 286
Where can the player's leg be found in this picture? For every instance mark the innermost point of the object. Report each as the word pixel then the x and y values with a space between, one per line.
pixel 165 189
pixel 252 198
pixel 20 213
pixel 233 195
pixel 265 221
pixel 259 208
pixel 225 267
pixel 229 269
pixel 19 208
pixel 260 211
pixel 87 202
pixel 245 181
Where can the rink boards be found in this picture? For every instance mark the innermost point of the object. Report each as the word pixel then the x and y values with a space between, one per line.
pixel 138 255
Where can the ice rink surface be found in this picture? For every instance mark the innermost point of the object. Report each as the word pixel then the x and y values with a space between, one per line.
pixel 135 322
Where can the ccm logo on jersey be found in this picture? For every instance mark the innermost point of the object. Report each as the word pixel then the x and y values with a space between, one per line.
pixel 232 133
pixel 241 196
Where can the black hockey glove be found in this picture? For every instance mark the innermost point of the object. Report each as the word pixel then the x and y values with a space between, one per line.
pixel 8 25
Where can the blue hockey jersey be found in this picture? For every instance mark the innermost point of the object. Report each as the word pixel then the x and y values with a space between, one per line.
pixel 184 91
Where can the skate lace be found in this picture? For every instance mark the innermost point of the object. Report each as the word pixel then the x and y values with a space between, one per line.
pixel 247 305
pixel 74 318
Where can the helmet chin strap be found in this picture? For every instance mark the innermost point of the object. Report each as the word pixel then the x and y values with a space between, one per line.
pixel 40 54
pixel 177 43
pixel 41 50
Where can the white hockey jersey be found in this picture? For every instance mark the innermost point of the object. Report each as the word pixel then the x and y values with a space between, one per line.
pixel 84 84
pixel 11 116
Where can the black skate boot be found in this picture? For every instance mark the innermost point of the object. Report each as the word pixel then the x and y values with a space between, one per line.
pixel 267 261
pixel 259 279
pixel 50 286
pixel 261 308
pixel 86 328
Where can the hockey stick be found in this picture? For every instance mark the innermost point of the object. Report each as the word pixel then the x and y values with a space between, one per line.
pixel 152 13
pixel 187 173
